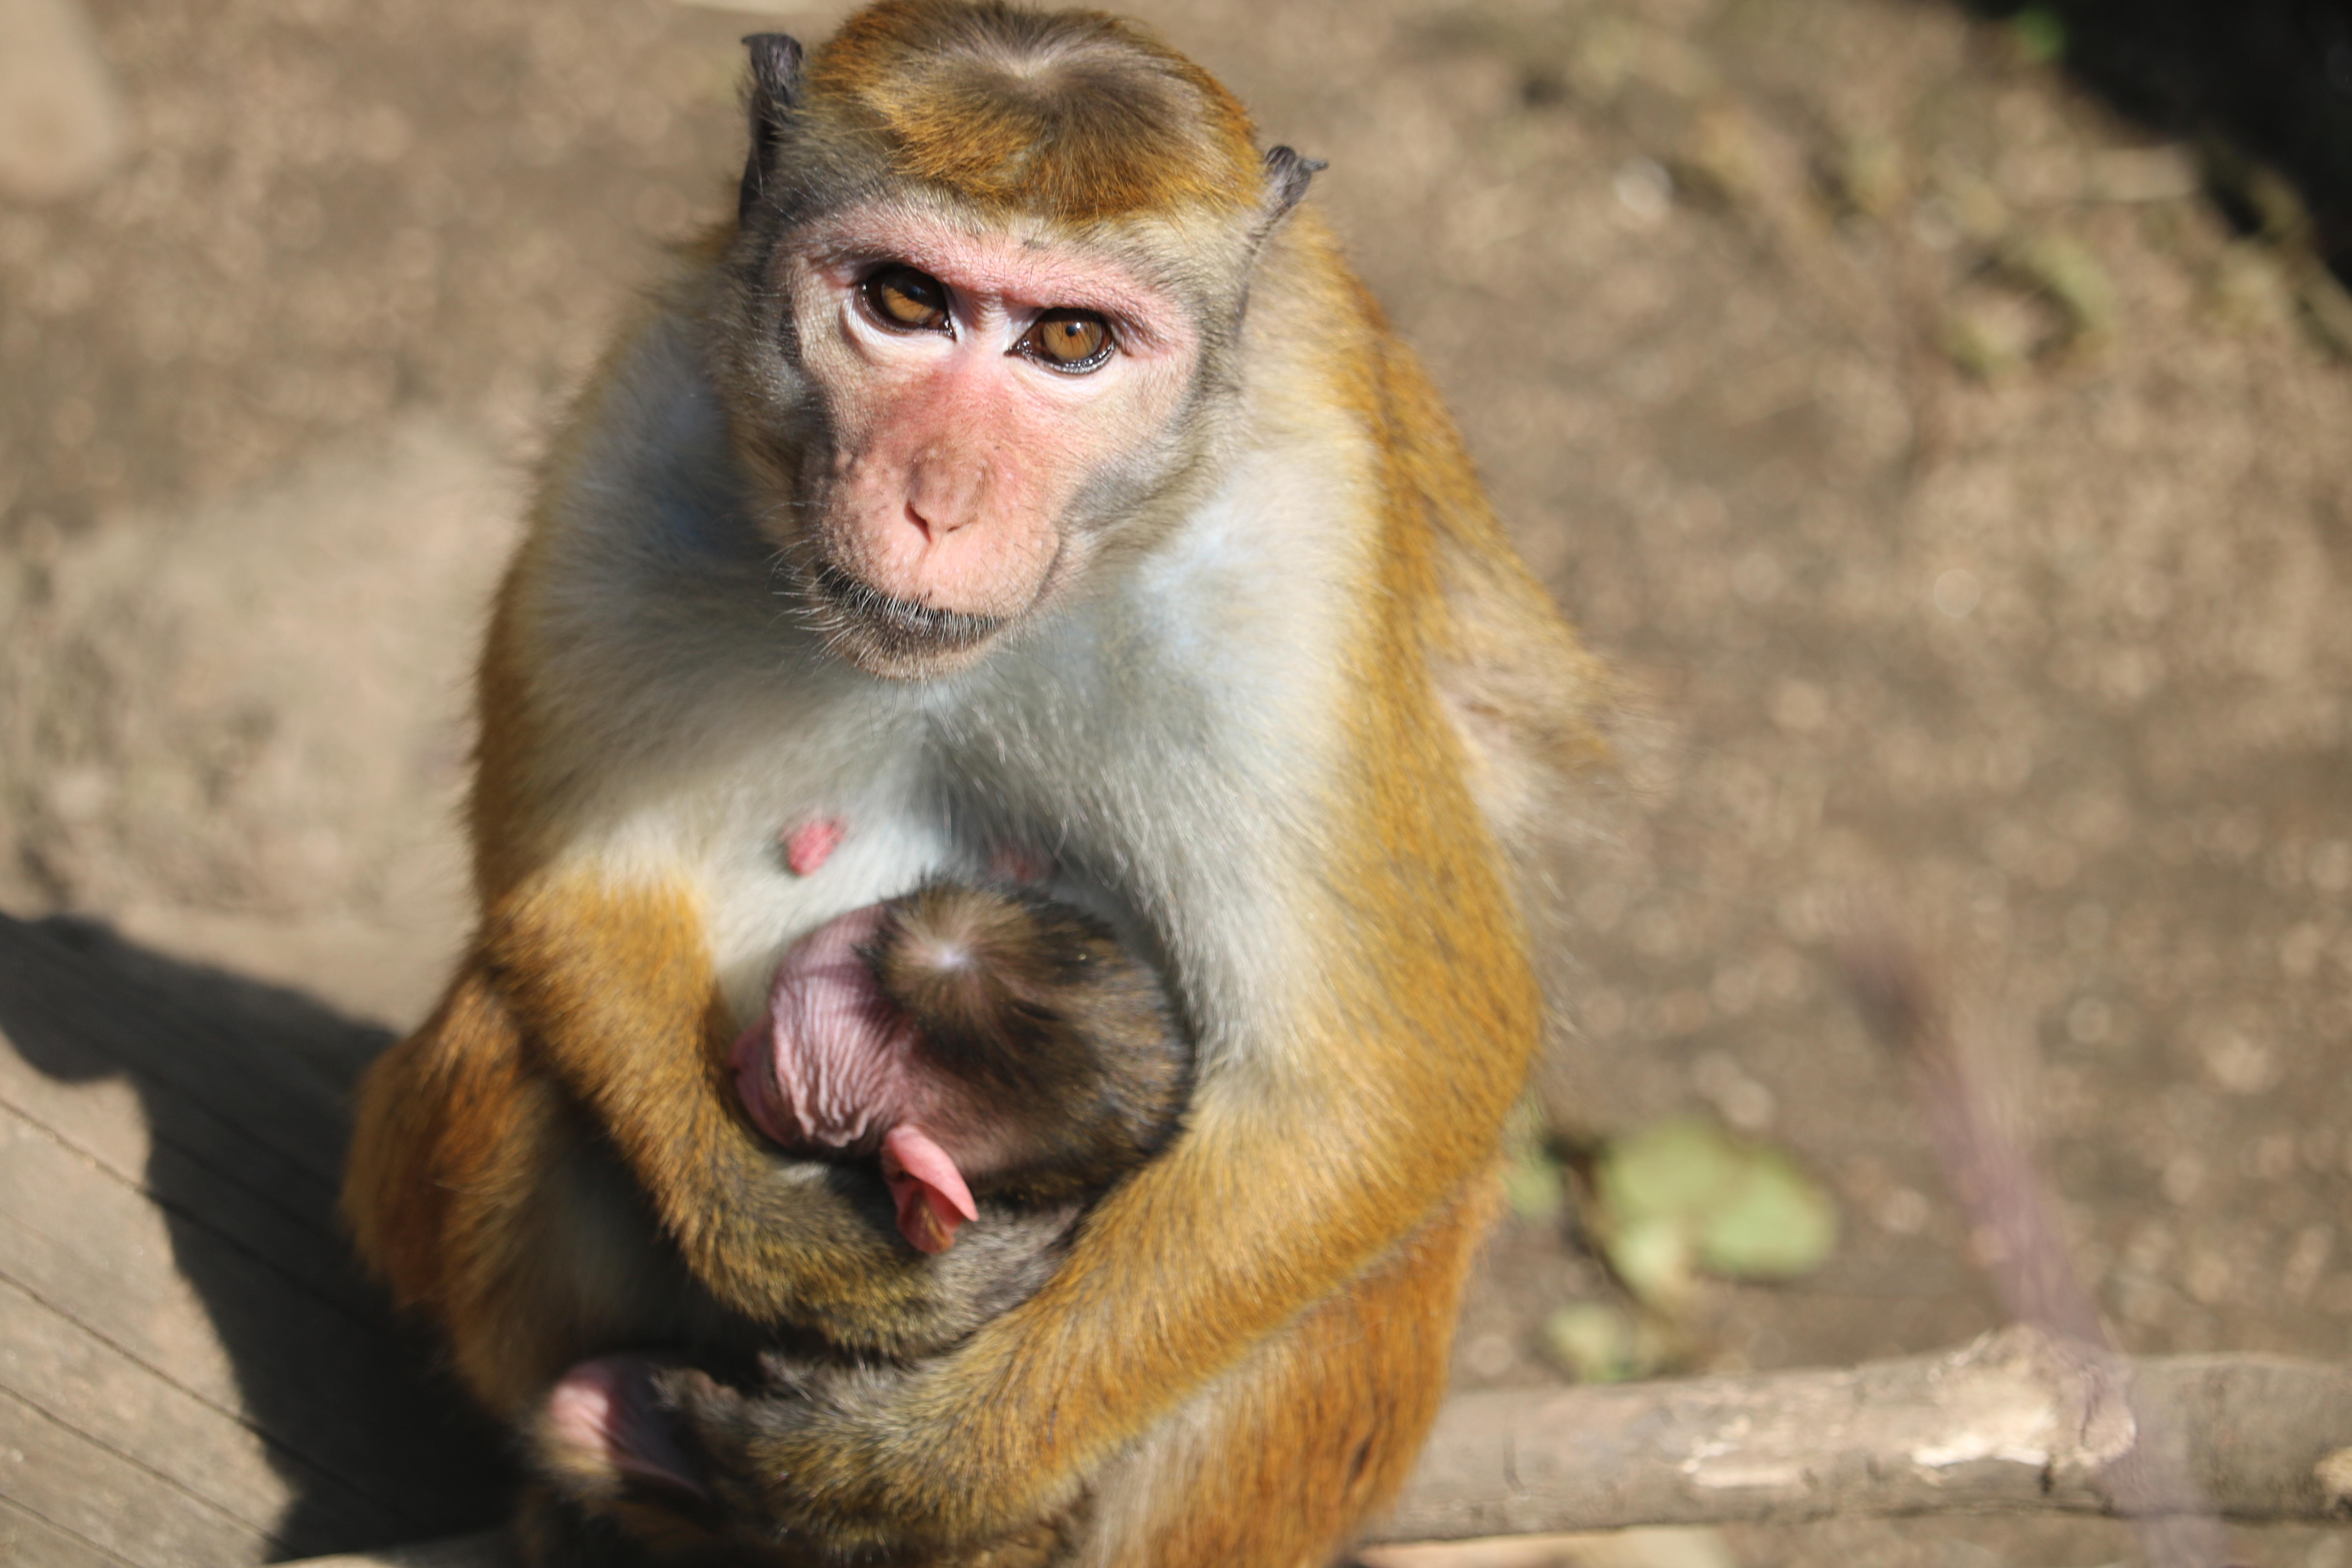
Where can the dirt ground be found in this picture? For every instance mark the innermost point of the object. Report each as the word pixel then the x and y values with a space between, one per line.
pixel 1966 500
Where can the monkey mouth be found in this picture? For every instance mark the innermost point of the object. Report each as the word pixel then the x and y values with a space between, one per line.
pixel 890 636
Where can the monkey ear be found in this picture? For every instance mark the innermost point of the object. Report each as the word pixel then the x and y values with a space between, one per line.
pixel 1287 175
pixel 775 88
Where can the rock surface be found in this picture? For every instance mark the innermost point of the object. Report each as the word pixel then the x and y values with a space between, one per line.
pixel 60 118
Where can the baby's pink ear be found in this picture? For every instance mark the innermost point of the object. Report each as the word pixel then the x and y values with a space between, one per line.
pixel 754 1060
pixel 927 1189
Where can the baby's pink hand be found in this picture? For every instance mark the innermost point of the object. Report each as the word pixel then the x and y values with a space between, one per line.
pixel 927 1189
pixel 606 1409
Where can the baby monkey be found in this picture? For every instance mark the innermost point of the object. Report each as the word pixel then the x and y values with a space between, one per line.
pixel 983 1045
pixel 974 1040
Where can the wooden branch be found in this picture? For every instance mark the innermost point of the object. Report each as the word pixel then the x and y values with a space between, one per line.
pixel 2014 1423
pixel 1991 1170
pixel 489 1550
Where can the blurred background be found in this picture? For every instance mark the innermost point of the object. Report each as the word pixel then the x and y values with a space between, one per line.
pixel 1940 416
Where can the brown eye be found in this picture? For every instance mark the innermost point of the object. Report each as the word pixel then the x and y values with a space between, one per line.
pixel 1069 340
pixel 903 298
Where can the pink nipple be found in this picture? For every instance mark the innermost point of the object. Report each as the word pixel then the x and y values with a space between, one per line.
pixel 811 844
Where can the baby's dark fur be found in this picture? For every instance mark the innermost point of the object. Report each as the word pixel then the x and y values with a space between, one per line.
pixel 1049 1025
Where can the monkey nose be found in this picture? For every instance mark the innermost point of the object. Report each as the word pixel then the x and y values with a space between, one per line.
pixel 942 498
pixel 932 529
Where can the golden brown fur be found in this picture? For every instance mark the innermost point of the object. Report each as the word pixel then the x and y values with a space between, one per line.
pixel 1293 730
pixel 1109 123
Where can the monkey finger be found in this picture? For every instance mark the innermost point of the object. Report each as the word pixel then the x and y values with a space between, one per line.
pixel 748 1446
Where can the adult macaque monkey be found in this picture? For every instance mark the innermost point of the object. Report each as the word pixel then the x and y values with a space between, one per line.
pixel 1019 480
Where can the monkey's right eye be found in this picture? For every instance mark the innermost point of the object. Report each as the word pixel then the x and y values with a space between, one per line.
pixel 904 299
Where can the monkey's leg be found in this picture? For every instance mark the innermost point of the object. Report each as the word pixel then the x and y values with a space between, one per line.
pixel 1278 1465
pixel 478 1193
pixel 435 1112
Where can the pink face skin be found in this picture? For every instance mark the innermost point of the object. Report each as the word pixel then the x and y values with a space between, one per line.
pixel 958 454
pixel 831 1069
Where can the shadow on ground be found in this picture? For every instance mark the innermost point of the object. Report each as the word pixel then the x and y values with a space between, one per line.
pixel 244 1089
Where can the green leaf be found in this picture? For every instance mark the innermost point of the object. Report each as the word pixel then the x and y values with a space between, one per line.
pixel 1533 1186
pixel 1774 1223
pixel 1682 1193
pixel 1671 1169
pixel 1654 1256
pixel 1596 1342
pixel 2041 34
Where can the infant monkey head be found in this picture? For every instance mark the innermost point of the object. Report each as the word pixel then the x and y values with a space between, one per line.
pixel 982 1043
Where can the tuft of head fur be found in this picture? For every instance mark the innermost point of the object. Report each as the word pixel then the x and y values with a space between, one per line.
pixel 1074 115
pixel 1046 1022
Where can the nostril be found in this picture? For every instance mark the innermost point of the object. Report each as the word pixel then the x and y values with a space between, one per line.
pixel 937 525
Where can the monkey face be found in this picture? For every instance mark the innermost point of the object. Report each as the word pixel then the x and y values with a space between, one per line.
pixel 984 295
pixel 991 403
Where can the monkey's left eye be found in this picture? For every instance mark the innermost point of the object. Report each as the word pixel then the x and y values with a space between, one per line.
pixel 909 300
pixel 1073 341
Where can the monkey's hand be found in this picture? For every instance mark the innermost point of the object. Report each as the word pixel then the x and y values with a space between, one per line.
pixel 1183 1275
pixel 789 1462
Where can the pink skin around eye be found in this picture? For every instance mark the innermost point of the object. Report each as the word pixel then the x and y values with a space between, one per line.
pixel 831 1068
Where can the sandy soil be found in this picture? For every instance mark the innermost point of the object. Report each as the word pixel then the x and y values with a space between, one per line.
pixel 1970 508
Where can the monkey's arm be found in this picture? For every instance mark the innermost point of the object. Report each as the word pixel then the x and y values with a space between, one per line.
pixel 462 1190
pixel 1309 1155
pixel 614 988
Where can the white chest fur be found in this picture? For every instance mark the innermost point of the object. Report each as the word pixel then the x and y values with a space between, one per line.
pixel 757 904
pixel 1164 746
